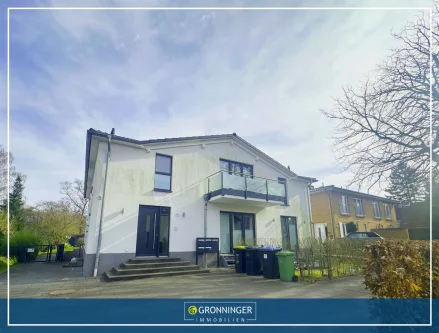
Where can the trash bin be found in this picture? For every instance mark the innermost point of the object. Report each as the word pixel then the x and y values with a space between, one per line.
pixel 253 260
pixel 59 252
pixel 239 259
pixel 270 265
pixel 22 254
pixel 286 266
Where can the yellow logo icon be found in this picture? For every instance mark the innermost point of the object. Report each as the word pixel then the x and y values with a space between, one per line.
pixel 192 310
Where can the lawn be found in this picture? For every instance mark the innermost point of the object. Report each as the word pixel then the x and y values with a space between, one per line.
pixel 4 263
pixel 67 248
pixel 316 274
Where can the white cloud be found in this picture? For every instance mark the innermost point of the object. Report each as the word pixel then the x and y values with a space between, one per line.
pixel 253 73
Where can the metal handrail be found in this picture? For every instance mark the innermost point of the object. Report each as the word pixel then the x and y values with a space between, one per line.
pixel 241 174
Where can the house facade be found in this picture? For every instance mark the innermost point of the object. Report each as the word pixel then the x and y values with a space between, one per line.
pixel 334 207
pixel 160 195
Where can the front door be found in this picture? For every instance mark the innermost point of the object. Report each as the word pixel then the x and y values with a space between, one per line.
pixel 153 231
pixel 290 239
pixel 320 231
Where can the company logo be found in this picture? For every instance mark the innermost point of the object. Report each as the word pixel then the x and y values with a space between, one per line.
pixel 192 310
pixel 220 312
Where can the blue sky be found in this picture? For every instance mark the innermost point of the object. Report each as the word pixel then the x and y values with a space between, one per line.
pixel 153 74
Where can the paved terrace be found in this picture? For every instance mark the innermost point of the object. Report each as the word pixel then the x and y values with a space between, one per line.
pixel 43 280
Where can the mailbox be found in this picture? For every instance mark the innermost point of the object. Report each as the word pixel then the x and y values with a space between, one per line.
pixel 207 245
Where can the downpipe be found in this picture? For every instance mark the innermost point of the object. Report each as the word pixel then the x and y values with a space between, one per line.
pixel 205 232
pixel 98 248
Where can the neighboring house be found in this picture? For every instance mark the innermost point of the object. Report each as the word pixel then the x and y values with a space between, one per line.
pixel 162 194
pixel 333 207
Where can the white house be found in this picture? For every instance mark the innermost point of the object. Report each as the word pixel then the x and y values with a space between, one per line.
pixel 160 195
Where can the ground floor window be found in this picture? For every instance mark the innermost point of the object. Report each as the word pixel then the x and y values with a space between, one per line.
pixel 290 239
pixel 236 229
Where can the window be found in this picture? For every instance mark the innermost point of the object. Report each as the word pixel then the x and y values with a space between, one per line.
pixel 281 180
pixel 236 168
pixel 359 211
pixel 344 205
pixel 343 231
pixel 376 210
pixel 388 212
pixel 163 173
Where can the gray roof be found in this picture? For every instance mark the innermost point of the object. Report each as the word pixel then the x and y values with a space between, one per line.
pixel 351 192
pixel 92 132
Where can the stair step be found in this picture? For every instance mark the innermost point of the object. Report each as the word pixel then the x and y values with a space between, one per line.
pixel 152 260
pixel 154 264
pixel 111 277
pixel 130 271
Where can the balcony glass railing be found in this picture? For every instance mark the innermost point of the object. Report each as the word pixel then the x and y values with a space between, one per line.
pixel 224 183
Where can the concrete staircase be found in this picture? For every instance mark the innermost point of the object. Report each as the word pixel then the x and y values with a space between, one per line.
pixel 143 268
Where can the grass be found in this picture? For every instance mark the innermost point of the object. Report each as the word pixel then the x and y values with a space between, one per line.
pixel 4 263
pixel 67 248
pixel 317 274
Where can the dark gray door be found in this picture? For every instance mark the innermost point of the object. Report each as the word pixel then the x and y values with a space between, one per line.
pixel 147 231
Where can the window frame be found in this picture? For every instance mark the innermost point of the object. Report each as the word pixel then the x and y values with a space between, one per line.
pixel 163 173
pixel 387 209
pixel 282 180
pixel 362 207
pixel 348 212
pixel 378 209
pixel 241 165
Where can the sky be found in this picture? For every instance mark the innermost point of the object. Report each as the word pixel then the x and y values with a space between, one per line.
pixel 265 75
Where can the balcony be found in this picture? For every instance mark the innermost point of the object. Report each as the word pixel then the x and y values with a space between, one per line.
pixel 224 187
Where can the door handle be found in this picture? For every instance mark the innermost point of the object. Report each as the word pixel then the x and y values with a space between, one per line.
pixel 155 222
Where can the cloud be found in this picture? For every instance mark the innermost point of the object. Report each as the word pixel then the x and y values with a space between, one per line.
pixel 152 74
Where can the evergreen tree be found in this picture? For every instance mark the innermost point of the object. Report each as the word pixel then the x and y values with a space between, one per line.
pixel 406 184
pixel 16 202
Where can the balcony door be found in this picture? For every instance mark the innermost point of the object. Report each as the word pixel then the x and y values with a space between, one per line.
pixel 236 229
pixel 290 239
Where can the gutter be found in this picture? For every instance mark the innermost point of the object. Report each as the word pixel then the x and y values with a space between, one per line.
pixel 330 213
pixel 308 197
pixel 98 248
pixel 205 230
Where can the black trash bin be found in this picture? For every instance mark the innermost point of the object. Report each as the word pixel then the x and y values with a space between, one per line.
pixel 253 260
pixel 22 253
pixel 269 262
pixel 59 252
pixel 239 259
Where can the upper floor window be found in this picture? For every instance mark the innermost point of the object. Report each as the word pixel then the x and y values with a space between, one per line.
pixel 237 168
pixel 344 205
pixel 359 211
pixel 388 212
pixel 163 173
pixel 376 210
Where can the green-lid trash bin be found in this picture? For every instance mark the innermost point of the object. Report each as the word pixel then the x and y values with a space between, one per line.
pixel 239 258
pixel 286 265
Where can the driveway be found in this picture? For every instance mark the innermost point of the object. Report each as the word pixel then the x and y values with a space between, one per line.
pixel 42 280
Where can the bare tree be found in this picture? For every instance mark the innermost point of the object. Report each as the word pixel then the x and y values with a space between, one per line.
pixel 4 173
pixel 73 196
pixel 386 119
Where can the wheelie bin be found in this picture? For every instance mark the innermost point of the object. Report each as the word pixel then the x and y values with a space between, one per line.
pixel 270 265
pixel 239 258
pixel 253 260
pixel 286 266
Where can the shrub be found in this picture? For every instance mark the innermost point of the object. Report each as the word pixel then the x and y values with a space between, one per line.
pixel 401 269
pixel 23 238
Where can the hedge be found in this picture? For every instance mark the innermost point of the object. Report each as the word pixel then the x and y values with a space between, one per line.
pixel 401 269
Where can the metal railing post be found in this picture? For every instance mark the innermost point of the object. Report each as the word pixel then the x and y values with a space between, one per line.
pixel 222 183
pixel 266 187
pixel 245 180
